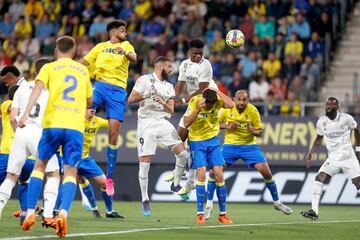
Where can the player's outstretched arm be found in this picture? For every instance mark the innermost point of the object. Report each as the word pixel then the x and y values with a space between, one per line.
pixel 39 86
pixel 136 97
pixel 314 146
pixel 83 62
pixel 228 103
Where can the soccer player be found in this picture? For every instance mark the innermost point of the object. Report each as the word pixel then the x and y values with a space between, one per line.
pixel 201 117
pixel 336 128
pixel 70 92
pixel 242 125
pixel 110 62
pixel 155 95
pixel 195 74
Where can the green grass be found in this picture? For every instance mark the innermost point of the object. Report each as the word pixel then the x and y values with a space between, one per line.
pixel 177 215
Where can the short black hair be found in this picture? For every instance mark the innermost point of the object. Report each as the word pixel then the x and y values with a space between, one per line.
pixel 65 44
pixel 210 96
pixel 12 91
pixel 39 63
pixel 333 99
pixel 196 43
pixel 115 24
pixel 10 69
pixel 161 59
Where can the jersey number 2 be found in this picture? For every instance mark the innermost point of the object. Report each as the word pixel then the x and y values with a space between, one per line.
pixel 72 87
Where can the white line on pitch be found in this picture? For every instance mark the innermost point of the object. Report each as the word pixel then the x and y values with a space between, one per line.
pixel 184 228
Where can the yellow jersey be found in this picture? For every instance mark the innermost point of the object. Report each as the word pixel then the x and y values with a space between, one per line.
pixel 240 136
pixel 7 131
pixel 107 64
pixel 91 128
pixel 206 125
pixel 69 87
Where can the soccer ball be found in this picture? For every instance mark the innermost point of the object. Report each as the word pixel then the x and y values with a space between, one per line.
pixel 235 38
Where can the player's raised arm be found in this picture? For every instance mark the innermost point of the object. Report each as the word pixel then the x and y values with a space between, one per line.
pixel 193 111
pixel 228 103
pixel 35 94
pixel 83 62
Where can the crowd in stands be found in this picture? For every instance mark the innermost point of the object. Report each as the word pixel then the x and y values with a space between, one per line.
pixel 282 60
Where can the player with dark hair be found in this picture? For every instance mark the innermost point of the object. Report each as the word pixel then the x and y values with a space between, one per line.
pixel 109 62
pixel 155 95
pixel 201 118
pixel 336 128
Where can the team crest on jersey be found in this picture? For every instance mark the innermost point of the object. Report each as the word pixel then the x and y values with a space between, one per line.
pixel 246 117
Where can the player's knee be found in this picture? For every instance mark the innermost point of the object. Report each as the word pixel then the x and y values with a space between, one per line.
pixel 322 177
pixel 356 182
pixel 80 179
pixel 211 173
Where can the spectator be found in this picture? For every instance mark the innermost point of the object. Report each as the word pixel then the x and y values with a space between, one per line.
pixel 238 8
pixel 65 27
pixel 247 27
pixel 107 10
pixel 216 65
pixel 148 65
pixel 248 65
pixel 21 63
pixel 180 46
pixel 191 27
pixel 302 6
pixel 271 66
pixel 84 45
pixel 161 8
pixel 134 25
pixel 34 8
pixel 175 67
pixel 23 26
pixel 180 9
pixel 294 47
pixel 238 83
pixel 277 88
pixel 257 9
pixel 44 29
pixel 16 9
pixel 97 27
pixel 126 10
pixel 48 48
pixel 310 71
pixel 265 29
pixel 162 46
pixel 257 46
pixel 87 14
pixel 272 106
pixel 275 10
pixel 222 87
pixel 153 28
pixel 284 28
pixel 291 107
pixel 53 9
pixel 143 9
pixel 198 7
pixel 4 7
pixel 316 48
pixel 77 28
pixel 278 47
pixel 172 26
pixel 140 47
pixel 228 67
pixel 298 87
pixel 11 50
pixel 258 90
pixel 302 28
pixel 218 44
pixel 30 46
pixel 4 59
pixel 289 68
pixel 6 26
pixel 324 25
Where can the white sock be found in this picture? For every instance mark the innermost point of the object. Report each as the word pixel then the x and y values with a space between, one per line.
pixel 50 195
pixel 181 161
pixel 191 178
pixel 84 199
pixel 144 179
pixel 209 203
pixel 316 195
pixel 5 190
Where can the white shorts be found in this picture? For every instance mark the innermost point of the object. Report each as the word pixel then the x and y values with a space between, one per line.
pixel 151 132
pixel 344 160
pixel 25 143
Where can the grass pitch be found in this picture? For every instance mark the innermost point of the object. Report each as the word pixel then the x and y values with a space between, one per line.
pixel 172 221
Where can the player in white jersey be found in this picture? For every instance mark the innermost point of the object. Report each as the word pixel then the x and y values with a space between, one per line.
pixel 195 74
pixel 336 128
pixel 155 96
pixel 25 143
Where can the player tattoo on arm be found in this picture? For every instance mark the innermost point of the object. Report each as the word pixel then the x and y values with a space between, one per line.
pixel 314 146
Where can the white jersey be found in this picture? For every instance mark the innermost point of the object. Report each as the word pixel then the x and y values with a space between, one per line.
pixel 337 132
pixel 194 73
pixel 148 108
pixel 21 99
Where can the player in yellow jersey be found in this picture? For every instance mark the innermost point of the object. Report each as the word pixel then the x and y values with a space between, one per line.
pixel 201 117
pixel 70 92
pixel 109 62
pixel 242 125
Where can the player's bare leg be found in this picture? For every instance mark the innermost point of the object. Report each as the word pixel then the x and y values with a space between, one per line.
pixel 114 131
pixel 313 213
pixel 264 170
pixel 144 166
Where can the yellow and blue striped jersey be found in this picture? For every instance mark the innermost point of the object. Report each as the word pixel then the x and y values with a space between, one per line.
pixel 206 125
pixel 107 64
pixel 240 135
pixel 69 87
pixel 91 128
pixel 7 131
